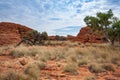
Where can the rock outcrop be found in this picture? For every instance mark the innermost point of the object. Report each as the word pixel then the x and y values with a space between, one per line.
pixel 11 33
pixel 85 36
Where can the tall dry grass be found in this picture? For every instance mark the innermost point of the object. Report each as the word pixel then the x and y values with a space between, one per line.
pixel 80 54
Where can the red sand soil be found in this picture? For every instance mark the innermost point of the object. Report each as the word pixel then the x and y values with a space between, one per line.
pixel 11 33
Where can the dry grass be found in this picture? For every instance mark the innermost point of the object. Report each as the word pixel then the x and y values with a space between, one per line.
pixel 96 68
pixel 4 48
pixel 32 70
pixel 101 53
pixel 90 78
pixel 13 75
pixel 71 68
pixel 77 53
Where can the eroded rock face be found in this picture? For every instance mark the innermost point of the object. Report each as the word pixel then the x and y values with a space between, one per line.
pixel 85 36
pixel 11 33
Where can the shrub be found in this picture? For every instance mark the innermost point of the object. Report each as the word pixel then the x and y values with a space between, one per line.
pixel 96 68
pixel 40 64
pixel 19 51
pixel 108 67
pixel 13 75
pixel 90 78
pixel 32 70
pixel 3 48
pixel 15 53
pixel 82 62
pixel 71 68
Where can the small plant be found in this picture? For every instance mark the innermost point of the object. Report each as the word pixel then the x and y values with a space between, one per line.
pixel 108 67
pixel 71 68
pixel 82 62
pixel 15 53
pixel 13 75
pixel 41 65
pixel 32 70
pixel 90 78
pixel 2 49
pixel 19 51
pixel 96 68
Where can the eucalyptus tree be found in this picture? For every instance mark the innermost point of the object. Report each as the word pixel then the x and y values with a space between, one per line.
pixel 100 23
pixel 92 22
pixel 105 21
pixel 116 26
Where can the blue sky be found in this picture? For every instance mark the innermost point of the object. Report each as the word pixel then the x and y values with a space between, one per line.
pixel 57 17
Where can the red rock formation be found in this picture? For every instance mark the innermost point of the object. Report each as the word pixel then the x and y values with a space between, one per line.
pixel 51 37
pixel 85 36
pixel 11 33
pixel 70 38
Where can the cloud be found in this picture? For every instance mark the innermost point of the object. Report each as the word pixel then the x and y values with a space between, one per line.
pixel 55 19
pixel 69 30
pixel 54 15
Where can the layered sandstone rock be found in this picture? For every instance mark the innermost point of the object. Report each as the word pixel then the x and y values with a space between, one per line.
pixel 11 33
pixel 85 36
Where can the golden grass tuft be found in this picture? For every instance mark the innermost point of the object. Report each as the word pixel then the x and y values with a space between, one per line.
pixel 71 68
pixel 13 75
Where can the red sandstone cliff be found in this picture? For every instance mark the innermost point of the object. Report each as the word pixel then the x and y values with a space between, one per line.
pixel 11 33
pixel 85 36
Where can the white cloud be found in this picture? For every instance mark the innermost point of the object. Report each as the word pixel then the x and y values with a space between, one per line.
pixel 37 14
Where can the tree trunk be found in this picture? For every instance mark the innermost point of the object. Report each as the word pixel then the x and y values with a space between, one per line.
pixel 112 42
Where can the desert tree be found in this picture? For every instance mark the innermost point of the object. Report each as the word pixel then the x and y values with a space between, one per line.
pixel 105 21
pixel 92 22
pixel 34 37
pixel 100 23
pixel 116 26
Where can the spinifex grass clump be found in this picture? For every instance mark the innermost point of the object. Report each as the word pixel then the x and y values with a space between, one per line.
pixel 70 68
pixel 96 68
pixel 32 70
pixel 108 67
pixel 13 75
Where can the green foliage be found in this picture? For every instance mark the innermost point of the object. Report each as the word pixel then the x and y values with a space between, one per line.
pixel 105 23
pixel 35 38
pixel 44 35
pixel 60 38
pixel 114 31
pixel 92 22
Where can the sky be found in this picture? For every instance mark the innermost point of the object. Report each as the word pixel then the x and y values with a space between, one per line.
pixel 56 17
